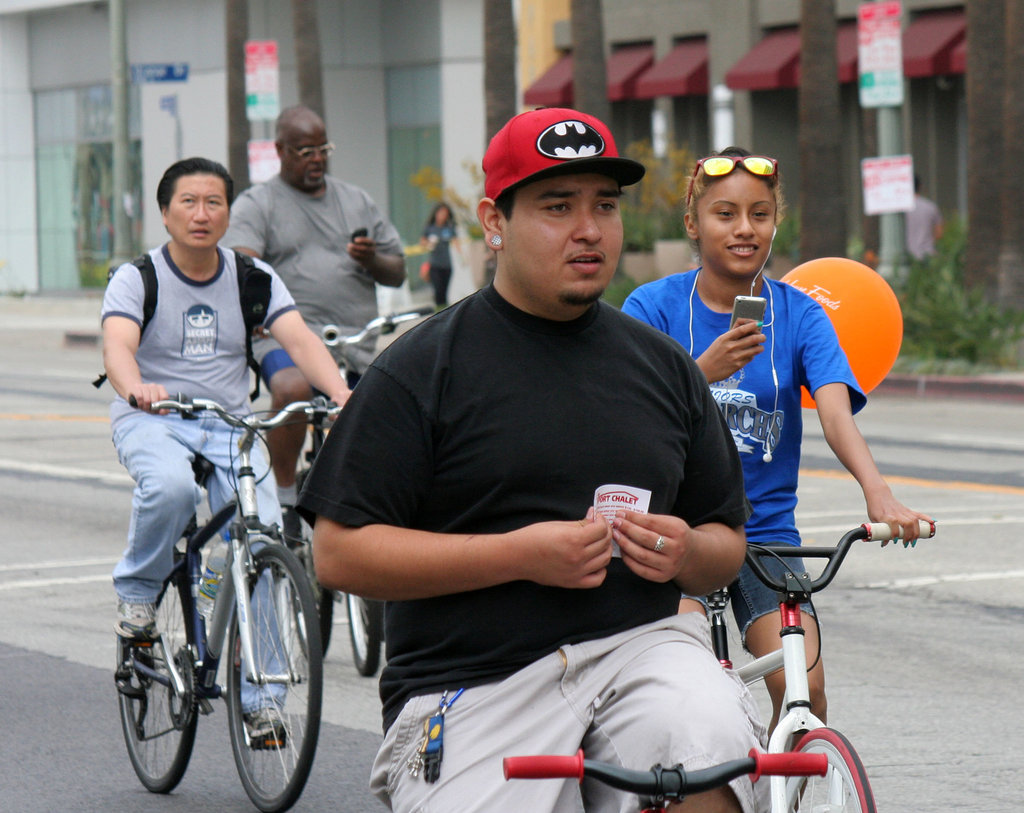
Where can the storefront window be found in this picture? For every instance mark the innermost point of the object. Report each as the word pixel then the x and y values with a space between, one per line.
pixel 74 159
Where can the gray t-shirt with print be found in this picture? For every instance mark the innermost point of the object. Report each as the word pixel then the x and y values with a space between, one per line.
pixel 305 238
pixel 195 342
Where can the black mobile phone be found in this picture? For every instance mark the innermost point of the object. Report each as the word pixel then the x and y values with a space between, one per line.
pixel 748 307
pixel 357 233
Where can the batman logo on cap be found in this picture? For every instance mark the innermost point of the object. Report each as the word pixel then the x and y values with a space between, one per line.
pixel 570 139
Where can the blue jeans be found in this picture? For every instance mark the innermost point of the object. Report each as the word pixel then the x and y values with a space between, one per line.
pixel 158 451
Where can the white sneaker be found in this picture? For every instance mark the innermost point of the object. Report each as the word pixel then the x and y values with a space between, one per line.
pixel 136 620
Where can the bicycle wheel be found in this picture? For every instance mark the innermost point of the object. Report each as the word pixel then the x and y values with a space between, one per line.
pixel 366 631
pixel 324 598
pixel 159 724
pixel 844 789
pixel 286 647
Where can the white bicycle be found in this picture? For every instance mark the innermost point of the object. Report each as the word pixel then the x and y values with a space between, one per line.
pixel 845 787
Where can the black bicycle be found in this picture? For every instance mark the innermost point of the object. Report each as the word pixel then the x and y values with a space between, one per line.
pixel 264 624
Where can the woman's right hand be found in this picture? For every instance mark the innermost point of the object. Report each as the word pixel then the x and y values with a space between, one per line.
pixel 731 351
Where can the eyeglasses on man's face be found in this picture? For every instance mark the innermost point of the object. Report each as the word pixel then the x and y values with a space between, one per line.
pixel 305 153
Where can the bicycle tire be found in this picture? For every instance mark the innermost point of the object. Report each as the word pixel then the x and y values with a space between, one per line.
pixel 275 774
pixel 324 598
pixel 366 632
pixel 844 789
pixel 159 727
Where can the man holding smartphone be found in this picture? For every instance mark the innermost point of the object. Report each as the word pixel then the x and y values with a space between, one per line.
pixel 331 245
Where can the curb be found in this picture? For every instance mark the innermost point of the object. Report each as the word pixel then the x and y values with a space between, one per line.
pixel 1010 388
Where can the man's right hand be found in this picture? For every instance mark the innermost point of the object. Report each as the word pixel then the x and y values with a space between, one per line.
pixel 143 396
pixel 572 554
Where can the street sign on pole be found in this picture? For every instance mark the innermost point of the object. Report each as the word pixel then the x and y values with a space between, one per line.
pixel 880 53
pixel 160 72
pixel 262 98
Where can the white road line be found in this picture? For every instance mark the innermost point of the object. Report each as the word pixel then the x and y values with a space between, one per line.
pixel 59 564
pixel 65 472
pixel 37 583
pixel 928 581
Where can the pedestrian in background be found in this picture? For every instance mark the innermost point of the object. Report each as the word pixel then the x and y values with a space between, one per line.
pixel 439 235
pixel 923 225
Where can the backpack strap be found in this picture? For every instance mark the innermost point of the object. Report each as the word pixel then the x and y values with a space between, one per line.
pixel 149 288
pixel 254 297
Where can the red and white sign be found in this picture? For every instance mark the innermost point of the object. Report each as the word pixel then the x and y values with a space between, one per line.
pixel 880 53
pixel 262 96
pixel 264 162
pixel 888 184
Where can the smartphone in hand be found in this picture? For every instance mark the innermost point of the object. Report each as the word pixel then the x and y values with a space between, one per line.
pixel 748 307
pixel 357 233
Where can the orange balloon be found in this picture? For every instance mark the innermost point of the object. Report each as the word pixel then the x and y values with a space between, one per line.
pixel 864 312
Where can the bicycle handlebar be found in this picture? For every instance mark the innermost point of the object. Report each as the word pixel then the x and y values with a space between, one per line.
pixel 665 783
pixel 318 406
pixel 869 531
pixel 332 334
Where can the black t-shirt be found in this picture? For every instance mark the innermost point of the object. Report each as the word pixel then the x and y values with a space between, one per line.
pixel 485 419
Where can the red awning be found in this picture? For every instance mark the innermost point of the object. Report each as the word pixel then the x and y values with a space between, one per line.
pixel 929 40
pixel 772 63
pixel 625 65
pixel 683 72
pixel 958 58
pixel 846 52
pixel 554 87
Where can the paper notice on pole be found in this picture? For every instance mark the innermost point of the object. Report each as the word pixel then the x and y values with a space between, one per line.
pixel 888 184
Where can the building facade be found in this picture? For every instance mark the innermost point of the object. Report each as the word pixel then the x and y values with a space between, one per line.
pixel 676 67
pixel 403 89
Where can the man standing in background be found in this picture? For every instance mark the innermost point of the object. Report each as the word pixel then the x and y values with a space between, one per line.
pixel 330 244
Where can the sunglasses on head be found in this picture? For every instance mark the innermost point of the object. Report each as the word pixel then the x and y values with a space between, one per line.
pixel 715 166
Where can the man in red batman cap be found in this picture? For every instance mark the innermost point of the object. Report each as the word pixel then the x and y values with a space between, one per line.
pixel 459 484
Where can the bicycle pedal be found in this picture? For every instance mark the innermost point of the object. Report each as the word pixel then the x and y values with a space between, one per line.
pixel 268 742
pixel 205 706
pixel 125 687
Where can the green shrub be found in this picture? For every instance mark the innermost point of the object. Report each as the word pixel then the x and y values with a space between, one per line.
pixel 947 326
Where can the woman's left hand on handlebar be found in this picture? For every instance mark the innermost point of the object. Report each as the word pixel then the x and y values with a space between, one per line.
pixel 653 545
pixel 902 520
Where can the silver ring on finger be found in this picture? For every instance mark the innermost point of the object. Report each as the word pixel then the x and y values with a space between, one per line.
pixel 659 545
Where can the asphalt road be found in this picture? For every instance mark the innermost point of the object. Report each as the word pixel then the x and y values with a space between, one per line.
pixel 922 644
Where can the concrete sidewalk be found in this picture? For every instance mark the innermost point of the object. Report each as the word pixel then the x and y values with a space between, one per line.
pixel 77 316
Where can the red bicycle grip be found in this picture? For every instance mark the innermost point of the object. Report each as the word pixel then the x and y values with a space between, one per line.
pixel 791 763
pixel 544 767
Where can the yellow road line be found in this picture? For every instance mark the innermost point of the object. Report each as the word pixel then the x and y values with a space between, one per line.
pixel 951 485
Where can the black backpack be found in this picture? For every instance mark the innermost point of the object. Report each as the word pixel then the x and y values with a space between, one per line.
pixel 253 296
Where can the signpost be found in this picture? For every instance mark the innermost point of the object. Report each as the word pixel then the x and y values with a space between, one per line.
pixel 160 72
pixel 880 64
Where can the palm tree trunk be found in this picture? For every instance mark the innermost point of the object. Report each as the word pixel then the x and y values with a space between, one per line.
pixel 822 204
pixel 499 64
pixel 1011 254
pixel 236 19
pixel 589 71
pixel 985 77
pixel 307 55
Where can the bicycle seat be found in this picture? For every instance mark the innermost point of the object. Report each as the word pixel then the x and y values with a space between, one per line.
pixel 202 469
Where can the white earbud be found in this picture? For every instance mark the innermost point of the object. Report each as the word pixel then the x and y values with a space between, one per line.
pixel 767 457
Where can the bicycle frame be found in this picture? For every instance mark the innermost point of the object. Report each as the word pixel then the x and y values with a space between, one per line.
pixel 792 657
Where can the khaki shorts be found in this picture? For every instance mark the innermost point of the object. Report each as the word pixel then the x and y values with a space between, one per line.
pixel 650 695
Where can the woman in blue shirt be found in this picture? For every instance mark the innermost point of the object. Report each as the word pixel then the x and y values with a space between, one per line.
pixel 734 203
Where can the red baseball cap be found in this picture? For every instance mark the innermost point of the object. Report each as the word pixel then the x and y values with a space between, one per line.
pixel 553 141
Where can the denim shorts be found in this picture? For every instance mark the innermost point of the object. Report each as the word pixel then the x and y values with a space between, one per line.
pixel 751 598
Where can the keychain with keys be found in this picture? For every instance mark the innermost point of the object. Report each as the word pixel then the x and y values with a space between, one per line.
pixel 431 751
